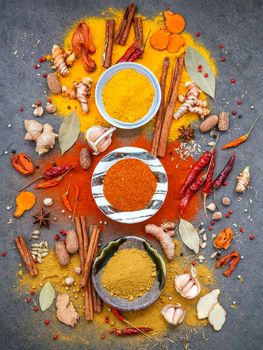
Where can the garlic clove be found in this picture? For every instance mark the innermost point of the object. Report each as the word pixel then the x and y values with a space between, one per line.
pixel 181 280
pixel 99 138
pixel 192 292
pixel 206 303
pixel 217 317
pixel 38 111
pixel 173 314
pixel 187 285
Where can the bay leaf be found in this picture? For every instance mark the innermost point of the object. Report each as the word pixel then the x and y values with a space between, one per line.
pixel 46 296
pixel 69 131
pixel 192 59
pixel 189 235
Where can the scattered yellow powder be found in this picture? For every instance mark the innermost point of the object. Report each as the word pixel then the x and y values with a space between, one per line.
pixel 152 59
pixel 129 274
pixel 128 96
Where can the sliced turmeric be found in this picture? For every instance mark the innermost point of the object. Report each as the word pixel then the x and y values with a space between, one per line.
pixel 174 22
pixel 159 40
pixel 176 42
pixel 24 201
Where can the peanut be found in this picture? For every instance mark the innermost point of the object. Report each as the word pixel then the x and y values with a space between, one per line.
pixel 223 122
pixel 72 244
pixel 54 83
pixel 85 158
pixel 209 123
pixel 62 253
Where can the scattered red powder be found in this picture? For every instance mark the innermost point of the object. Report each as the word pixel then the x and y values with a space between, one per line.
pixel 176 170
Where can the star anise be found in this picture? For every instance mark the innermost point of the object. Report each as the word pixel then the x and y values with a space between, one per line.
pixel 186 134
pixel 41 218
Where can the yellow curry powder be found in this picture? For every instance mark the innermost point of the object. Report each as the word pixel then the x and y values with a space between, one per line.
pixel 152 59
pixel 128 96
pixel 129 274
pixel 51 271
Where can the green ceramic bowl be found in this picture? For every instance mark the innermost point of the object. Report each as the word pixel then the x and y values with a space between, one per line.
pixel 106 254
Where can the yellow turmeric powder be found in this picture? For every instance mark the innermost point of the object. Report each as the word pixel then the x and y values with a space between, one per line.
pixel 128 96
pixel 129 274
pixel 152 59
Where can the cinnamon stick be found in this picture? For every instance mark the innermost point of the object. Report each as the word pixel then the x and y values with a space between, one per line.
pixel 167 121
pixel 160 113
pixel 84 236
pixel 138 30
pixel 80 239
pixel 109 40
pixel 97 302
pixel 89 257
pixel 125 25
pixel 88 301
pixel 26 255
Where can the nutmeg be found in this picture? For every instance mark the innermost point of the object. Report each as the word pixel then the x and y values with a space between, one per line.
pixel 54 83
pixel 209 123
pixel 223 121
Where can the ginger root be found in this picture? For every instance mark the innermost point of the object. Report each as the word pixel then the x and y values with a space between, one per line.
pixel 163 233
pixel 159 40
pixel 59 58
pixel 66 312
pixel 191 102
pixel 42 134
pixel 67 92
pixel 174 22
pixel 243 180
pixel 24 201
pixel 82 92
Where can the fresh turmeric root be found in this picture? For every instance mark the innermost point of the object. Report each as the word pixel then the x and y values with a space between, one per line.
pixel 176 42
pixel 59 58
pixel 163 233
pixel 174 22
pixel 159 40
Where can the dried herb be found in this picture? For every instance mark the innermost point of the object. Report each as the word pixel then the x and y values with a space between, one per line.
pixel 205 79
pixel 69 132
pixel 41 218
pixel 189 235
pixel 186 133
pixel 46 296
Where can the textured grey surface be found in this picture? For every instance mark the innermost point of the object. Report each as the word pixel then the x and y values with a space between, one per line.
pixel 238 25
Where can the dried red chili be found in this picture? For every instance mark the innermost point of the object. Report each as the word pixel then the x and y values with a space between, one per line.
pixel 22 163
pixel 52 182
pixel 201 163
pixel 65 198
pixel 132 331
pixel 233 258
pixel 209 178
pixel 195 187
pixel 221 178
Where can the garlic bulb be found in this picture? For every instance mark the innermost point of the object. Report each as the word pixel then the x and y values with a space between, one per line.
pixel 99 138
pixel 187 285
pixel 173 314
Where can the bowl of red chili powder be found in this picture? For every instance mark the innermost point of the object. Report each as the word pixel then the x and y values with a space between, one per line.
pixel 129 185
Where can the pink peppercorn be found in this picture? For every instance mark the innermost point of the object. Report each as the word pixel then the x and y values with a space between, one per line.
pixel 220 46
pixel 200 70
pixel 3 254
pixel 210 228
pixel 49 100
pixel 223 59
pixel 242 229
pixel 234 112
pixel 193 263
pixel 233 81
pixel 225 183
pixel 206 75
pixel 21 109
pixel 102 336
pixel 199 66
pixel 230 211
pixel 28 299
pixel 239 102
pixel 55 337
pixel 212 222
pixel 227 215
pixel 36 66
pixel 46 322
pixel 38 103
pixel 251 237
pixel 56 237
pixel 44 75
pixel 197 34
pixel 35 308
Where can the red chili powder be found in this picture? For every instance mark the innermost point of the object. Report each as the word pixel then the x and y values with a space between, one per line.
pixel 176 170
pixel 129 185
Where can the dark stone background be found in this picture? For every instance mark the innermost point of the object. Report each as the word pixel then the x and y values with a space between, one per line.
pixel 235 23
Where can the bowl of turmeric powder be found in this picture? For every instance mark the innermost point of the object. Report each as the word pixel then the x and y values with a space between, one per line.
pixel 129 185
pixel 129 274
pixel 128 95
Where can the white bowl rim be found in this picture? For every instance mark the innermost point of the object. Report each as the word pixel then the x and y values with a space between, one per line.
pixel 141 69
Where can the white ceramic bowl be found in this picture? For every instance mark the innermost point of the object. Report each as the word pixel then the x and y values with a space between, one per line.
pixel 129 217
pixel 108 74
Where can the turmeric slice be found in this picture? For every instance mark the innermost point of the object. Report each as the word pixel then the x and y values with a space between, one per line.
pixel 176 42
pixel 24 201
pixel 159 40
pixel 174 22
